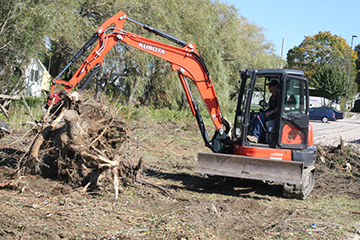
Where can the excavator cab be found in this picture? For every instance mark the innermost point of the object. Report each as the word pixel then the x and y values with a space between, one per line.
pixel 287 128
pixel 284 152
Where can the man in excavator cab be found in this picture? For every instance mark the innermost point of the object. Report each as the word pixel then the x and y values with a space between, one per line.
pixel 259 119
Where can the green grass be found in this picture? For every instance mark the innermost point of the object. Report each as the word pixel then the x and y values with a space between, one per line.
pixel 348 115
pixel 19 113
pixel 155 115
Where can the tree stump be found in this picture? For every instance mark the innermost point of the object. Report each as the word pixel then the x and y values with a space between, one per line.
pixel 88 147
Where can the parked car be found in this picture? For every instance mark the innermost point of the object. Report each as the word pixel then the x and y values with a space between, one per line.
pixel 338 114
pixel 322 113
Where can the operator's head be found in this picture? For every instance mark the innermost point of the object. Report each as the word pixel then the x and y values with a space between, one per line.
pixel 273 82
pixel 273 85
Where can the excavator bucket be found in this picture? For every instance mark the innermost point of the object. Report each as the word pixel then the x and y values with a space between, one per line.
pixel 250 167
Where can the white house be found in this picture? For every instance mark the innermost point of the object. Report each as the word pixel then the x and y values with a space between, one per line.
pixel 37 78
pixel 321 101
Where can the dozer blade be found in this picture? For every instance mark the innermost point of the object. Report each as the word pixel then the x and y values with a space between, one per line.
pixel 250 167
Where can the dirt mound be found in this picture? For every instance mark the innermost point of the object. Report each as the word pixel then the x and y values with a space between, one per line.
pixel 338 170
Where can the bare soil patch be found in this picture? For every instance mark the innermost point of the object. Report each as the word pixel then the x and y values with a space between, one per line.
pixel 168 201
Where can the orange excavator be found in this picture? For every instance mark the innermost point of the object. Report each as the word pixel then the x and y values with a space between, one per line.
pixel 284 151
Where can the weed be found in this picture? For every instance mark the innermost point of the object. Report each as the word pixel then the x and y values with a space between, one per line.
pixel 20 114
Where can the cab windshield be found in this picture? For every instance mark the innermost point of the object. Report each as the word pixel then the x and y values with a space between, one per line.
pixel 295 97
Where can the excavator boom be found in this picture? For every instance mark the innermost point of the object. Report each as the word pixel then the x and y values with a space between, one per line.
pixel 185 60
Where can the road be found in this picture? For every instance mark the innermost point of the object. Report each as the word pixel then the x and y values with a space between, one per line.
pixel 330 133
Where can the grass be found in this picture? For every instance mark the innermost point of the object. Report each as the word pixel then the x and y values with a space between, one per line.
pixel 348 115
pixel 168 150
pixel 19 113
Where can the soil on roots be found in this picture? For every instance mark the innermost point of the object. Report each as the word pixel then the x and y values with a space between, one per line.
pixel 84 146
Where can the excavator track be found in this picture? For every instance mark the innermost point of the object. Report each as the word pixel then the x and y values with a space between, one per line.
pixel 301 191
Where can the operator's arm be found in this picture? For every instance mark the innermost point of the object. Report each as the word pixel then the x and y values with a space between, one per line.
pixel 270 112
pixel 272 109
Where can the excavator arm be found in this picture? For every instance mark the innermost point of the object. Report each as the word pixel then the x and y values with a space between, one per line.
pixel 184 59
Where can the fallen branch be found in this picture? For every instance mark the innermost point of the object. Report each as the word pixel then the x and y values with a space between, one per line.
pixel 9 185
pixel 102 133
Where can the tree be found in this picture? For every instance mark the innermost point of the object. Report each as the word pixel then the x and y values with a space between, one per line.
pixel 357 63
pixel 22 28
pixel 54 30
pixel 318 50
pixel 330 80
pixel 226 40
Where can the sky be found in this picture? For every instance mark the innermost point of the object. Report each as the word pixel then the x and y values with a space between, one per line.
pixel 292 20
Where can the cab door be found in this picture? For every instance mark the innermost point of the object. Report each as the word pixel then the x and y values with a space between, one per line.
pixel 294 119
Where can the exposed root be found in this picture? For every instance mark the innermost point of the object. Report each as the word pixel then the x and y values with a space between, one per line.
pixel 9 185
pixel 344 157
pixel 88 147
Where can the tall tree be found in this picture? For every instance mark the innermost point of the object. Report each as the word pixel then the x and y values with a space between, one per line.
pixel 316 51
pixel 357 63
pixel 321 49
pixel 226 40
pixel 22 28
pixel 330 81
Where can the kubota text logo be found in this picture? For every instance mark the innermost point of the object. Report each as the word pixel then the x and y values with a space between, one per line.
pixel 151 48
pixel 277 154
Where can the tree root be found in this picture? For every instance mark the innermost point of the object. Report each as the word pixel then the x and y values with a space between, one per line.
pixel 88 145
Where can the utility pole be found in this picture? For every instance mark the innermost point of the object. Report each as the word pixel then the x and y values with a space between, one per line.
pixel 282 51
pixel 348 77
pixel 283 48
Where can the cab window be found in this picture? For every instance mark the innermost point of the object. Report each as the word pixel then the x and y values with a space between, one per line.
pixel 295 97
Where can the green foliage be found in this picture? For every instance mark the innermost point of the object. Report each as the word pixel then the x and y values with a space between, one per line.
pixel 19 113
pixel 132 113
pixel 316 51
pixel 225 39
pixel 55 30
pixel 166 114
pixel 319 50
pixel 330 80
pixel 22 30
pixel 357 63
pixel 137 112
pixel 35 101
